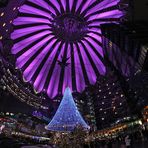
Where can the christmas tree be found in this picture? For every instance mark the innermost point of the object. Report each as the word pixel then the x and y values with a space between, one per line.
pixel 67 117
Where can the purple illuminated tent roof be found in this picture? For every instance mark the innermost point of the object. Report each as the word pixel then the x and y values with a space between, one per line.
pixel 58 43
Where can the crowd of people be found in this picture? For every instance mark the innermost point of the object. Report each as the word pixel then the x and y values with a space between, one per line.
pixel 134 140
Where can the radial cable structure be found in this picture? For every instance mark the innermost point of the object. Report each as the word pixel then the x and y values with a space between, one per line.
pixel 58 44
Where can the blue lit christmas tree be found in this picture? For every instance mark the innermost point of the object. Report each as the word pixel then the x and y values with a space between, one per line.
pixel 67 117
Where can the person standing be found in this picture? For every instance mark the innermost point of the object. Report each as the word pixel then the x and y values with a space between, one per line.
pixel 128 141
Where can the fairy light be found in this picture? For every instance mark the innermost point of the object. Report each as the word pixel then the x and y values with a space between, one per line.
pixel 67 116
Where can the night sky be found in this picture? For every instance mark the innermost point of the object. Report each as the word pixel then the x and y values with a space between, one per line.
pixel 140 9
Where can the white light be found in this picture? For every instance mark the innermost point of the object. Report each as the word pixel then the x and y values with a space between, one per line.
pixel 7 113
pixel 140 122
pixel 122 95
pixel 2 14
pixel 4 24
pixel 14 8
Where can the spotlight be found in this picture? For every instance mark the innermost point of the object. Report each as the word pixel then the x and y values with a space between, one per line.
pixel 3 3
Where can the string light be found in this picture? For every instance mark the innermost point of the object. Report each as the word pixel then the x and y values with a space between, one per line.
pixel 67 116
